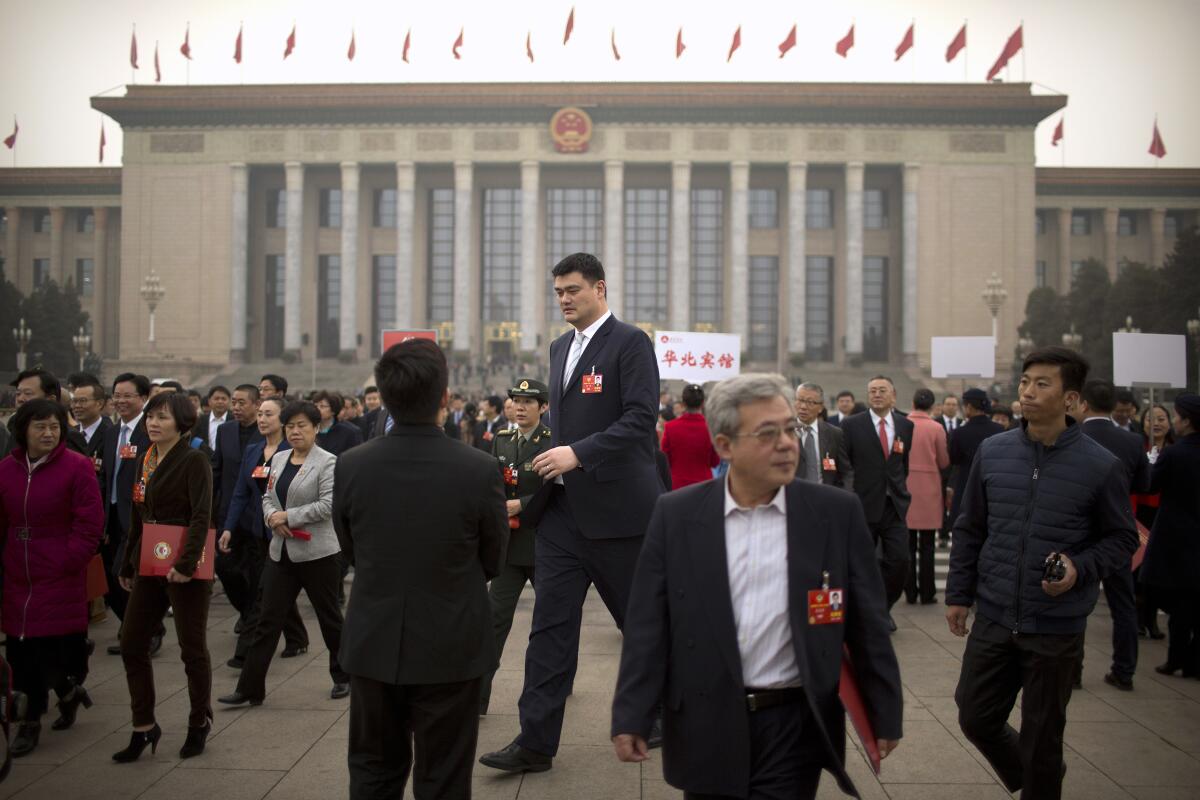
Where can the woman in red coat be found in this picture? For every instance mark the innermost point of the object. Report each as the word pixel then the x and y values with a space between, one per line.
pixel 51 518
pixel 926 460
pixel 687 443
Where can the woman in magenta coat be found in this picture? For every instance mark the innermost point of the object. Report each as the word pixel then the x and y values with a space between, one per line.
pixel 928 457
pixel 688 444
pixel 51 518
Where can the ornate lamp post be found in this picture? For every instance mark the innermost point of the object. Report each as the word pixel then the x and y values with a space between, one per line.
pixel 1129 327
pixel 83 344
pixel 994 295
pixel 22 335
pixel 152 292
pixel 1025 346
pixel 1072 340
pixel 1193 329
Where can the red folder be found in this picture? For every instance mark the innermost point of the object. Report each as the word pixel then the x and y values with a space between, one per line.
pixel 160 550
pixel 853 703
pixel 97 581
pixel 1143 540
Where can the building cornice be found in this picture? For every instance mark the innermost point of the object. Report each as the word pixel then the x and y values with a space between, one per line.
pixel 1118 181
pixel 23 181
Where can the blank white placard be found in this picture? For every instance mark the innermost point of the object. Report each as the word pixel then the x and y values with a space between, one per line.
pixel 963 357
pixel 1150 359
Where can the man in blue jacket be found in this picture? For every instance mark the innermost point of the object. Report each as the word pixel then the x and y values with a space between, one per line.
pixel 1038 490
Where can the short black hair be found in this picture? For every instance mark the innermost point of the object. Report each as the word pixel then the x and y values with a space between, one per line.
pixel 1100 395
pixel 178 406
pixel 948 397
pixel 923 399
pixel 1125 396
pixel 844 393
pixel 34 410
pixel 195 394
pixel 82 379
pixel 1072 366
pixel 496 402
pixel 141 383
pixel 693 396
pixel 412 378
pixel 370 390
pixel 333 398
pixel 50 385
pixel 883 378
pixel 1002 410
pixel 300 408
pixel 585 264
pixel 248 388
pixel 176 385
pixel 218 388
pixel 278 381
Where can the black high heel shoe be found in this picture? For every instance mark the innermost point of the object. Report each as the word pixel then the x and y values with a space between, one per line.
pixel 68 707
pixel 137 743
pixel 196 737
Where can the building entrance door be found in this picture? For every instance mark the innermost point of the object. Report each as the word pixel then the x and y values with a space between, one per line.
pixel 274 298
pixel 329 301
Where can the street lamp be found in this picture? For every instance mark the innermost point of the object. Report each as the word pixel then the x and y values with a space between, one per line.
pixel 22 335
pixel 994 295
pixel 1072 340
pixel 1025 346
pixel 1193 329
pixel 152 292
pixel 1129 327
pixel 83 344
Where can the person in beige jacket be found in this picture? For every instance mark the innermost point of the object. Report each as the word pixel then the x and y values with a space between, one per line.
pixel 929 456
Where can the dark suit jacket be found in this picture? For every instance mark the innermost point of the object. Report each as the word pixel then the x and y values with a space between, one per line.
pixel 95 450
pixel 202 428
pixel 366 423
pixel 875 479
pixel 422 556
pixel 681 641
pixel 340 437
pixel 479 435
pixel 1173 554
pixel 962 445
pixel 247 496
pixel 831 441
pixel 1127 447
pixel 226 465
pixel 124 477
pixel 612 431
pixel 451 427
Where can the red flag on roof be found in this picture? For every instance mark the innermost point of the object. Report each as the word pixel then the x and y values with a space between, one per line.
pixel 157 71
pixel 237 46
pixel 353 47
pixel 788 43
pixel 1157 148
pixel 1011 48
pixel 102 141
pixel 10 141
pixel 735 44
pixel 291 42
pixel 457 44
pixel 1058 134
pixel 906 43
pixel 616 52
pixel 529 46
pixel 846 42
pixel 959 42
pixel 679 45
pixel 186 47
pixel 407 42
pixel 133 48
pixel 570 25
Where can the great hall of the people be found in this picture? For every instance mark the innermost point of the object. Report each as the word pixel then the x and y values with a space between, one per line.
pixel 828 224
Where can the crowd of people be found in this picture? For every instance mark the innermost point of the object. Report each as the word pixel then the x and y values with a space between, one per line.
pixel 738 538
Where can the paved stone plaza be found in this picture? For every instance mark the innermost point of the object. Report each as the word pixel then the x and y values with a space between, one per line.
pixel 1144 744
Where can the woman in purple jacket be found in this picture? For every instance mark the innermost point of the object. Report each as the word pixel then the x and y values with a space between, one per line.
pixel 51 518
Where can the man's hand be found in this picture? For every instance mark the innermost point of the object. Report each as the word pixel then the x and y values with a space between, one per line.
pixel 629 746
pixel 126 583
pixel 886 746
pixel 956 618
pixel 1059 587
pixel 555 462
pixel 513 507
pixel 177 577
pixel 223 542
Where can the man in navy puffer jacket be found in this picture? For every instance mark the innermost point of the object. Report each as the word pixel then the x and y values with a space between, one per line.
pixel 1039 489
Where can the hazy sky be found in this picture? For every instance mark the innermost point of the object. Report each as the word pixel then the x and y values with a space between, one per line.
pixel 1120 62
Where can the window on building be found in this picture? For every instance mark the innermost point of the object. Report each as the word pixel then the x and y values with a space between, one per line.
pixel 875 308
pixel 764 209
pixel 1039 274
pixel 1126 223
pixel 275 298
pixel 647 237
pixel 708 256
pixel 1122 265
pixel 818 308
pixel 1040 222
pixel 85 221
pixel 574 220
pixel 440 295
pixel 875 217
pixel 331 208
pixel 41 272
pixel 385 208
pixel 763 307
pixel 818 208
pixel 85 269
pixel 276 208
pixel 1081 223
pixel 501 255
pixel 383 306
pixel 1076 265
pixel 1171 227
pixel 329 305
pixel 41 221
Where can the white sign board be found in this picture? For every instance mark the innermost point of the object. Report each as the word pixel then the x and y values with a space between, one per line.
pixel 1153 360
pixel 963 357
pixel 697 357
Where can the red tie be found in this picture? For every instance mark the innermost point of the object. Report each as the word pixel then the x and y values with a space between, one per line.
pixel 883 438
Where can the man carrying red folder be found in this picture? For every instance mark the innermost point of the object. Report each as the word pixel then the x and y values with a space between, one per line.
pixel 747 590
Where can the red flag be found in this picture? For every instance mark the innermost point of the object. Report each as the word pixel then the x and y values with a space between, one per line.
pixel 788 43
pixel 679 45
pixel 407 42
pixel 291 42
pixel 457 44
pixel 350 52
pixel 157 71
pixel 133 48
pixel 616 52
pixel 102 141
pixel 960 41
pixel 1058 134
pixel 570 26
pixel 1011 48
pixel 846 42
pixel 237 47
pixel 10 141
pixel 1157 148
pixel 735 44
pixel 529 46
pixel 186 47
pixel 906 43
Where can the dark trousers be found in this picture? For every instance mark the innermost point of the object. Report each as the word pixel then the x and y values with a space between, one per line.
pixel 786 754
pixel 295 635
pixel 1183 631
pixel 387 722
pixel 1118 593
pixel 237 570
pixel 111 551
pixel 566 563
pixel 504 591
pixel 891 542
pixel 42 663
pixel 282 582
pixel 920 567
pixel 996 665
pixel 143 618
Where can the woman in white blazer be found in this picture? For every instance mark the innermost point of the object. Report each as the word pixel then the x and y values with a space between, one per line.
pixel 298 509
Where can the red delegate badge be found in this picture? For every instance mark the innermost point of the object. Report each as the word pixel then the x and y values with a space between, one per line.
pixel 261 471
pixel 128 451
pixel 139 492
pixel 826 606
pixel 593 383
pixel 828 464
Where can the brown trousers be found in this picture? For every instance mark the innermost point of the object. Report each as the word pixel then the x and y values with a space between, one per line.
pixel 143 617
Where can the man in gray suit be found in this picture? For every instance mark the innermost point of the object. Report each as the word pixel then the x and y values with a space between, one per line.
pixel 823 455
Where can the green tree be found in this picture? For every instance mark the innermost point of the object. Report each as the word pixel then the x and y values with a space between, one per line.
pixel 10 312
pixel 1181 276
pixel 1139 293
pixel 1085 310
pixel 54 315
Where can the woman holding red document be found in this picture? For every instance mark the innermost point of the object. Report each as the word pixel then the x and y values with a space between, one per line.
pixel 174 487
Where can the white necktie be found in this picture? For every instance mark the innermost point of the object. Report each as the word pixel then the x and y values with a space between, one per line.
pixel 573 359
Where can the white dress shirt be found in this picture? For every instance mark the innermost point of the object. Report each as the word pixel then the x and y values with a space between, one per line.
pixel 90 430
pixel 891 428
pixel 580 343
pixel 214 422
pixel 756 552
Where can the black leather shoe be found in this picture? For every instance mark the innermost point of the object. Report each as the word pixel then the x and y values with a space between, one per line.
pixel 137 743
pixel 114 650
pixel 236 698
pixel 237 662
pixel 656 735
pixel 194 744
pixel 891 624
pixel 1124 684
pixel 292 652
pixel 1167 669
pixel 68 707
pixel 339 691
pixel 26 740
pixel 515 758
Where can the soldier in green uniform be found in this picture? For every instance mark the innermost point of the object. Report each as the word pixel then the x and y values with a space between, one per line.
pixel 514 451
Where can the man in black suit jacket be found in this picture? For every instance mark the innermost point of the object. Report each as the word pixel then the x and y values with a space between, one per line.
pixel 237 568
pixel 825 459
pixel 454 415
pixel 966 440
pixel 492 423
pixel 87 406
pixel 734 622
pixel 218 414
pixel 418 631
pixel 602 486
pixel 881 477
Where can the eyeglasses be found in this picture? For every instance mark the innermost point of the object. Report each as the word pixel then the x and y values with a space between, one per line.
pixel 805 402
pixel 769 434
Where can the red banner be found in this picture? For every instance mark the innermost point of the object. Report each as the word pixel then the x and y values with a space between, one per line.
pixel 391 338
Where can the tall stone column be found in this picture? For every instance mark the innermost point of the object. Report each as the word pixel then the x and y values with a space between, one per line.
pixel 464 324
pixel 292 253
pixel 1110 242
pixel 909 296
pixel 238 244
pixel 614 234
pixel 533 304
pixel 1158 245
pixel 739 250
pixel 854 260
pixel 348 309
pixel 1064 250
pixel 100 280
pixel 58 218
pixel 797 256
pixel 406 270
pixel 679 281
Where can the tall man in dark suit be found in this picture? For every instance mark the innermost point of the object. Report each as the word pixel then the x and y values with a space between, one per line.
pixel 237 568
pixel 418 632
pixel 218 414
pixel 492 423
pixel 878 443
pixel 454 415
pixel 745 592
pixel 965 441
pixel 949 418
pixel 823 457
pixel 603 484
pixel 87 405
